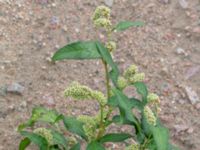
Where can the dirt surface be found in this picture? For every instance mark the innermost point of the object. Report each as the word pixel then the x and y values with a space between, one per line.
pixel 167 49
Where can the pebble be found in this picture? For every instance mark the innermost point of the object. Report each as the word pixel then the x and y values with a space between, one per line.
pixel 183 4
pixel 180 50
pixel 15 88
pixel 109 3
pixel 198 106
pixel 192 95
pixel 192 71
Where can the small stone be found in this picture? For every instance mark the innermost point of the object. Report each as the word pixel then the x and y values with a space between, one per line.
pixel 180 128
pixel 77 30
pixel 192 71
pixel 23 104
pixel 57 46
pixel 183 3
pixel 53 4
pixel 192 95
pixel 190 130
pixel 180 50
pixel 197 106
pixel 65 28
pixel 109 3
pixel 15 88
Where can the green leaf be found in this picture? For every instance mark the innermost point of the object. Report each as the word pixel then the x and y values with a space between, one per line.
pixel 36 139
pixel 77 50
pixel 74 126
pixel 125 106
pixel 76 147
pixel 40 114
pixel 142 90
pixel 161 136
pixel 136 103
pixel 114 73
pixel 59 139
pixel 112 101
pixel 95 146
pixel 115 137
pixel 172 147
pixel 24 144
pixel 123 25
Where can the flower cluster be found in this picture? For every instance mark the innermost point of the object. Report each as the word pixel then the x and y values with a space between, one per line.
pixel 122 83
pixel 153 98
pixel 111 46
pixel 133 147
pixel 149 115
pixel 132 75
pixel 89 126
pixel 101 17
pixel 45 133
pixel 81 92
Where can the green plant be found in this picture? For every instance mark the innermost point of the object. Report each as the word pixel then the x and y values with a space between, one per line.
pixel 149 133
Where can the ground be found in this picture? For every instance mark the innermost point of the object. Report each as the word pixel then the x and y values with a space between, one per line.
pixel 167 49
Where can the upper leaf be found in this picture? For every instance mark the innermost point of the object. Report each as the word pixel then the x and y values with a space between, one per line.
pixel 77 50
pixel 123 25
pixel 105 54
pixel 36 139
pixel 115 137
pixel 95 146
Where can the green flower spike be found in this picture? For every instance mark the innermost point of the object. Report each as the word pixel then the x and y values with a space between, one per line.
pixel 45 133
pixel 103 22
pixel 99 97
pixel 153 98
pixel 133 147
pixel 81 92
pixel 77 91
pixel 122 83
pixel 101 12
pixel 111 46
pixel 89 126
pixel 149 115
pixel 133 69
pixel 138 77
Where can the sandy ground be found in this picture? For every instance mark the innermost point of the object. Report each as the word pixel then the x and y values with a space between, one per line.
pixel 167 49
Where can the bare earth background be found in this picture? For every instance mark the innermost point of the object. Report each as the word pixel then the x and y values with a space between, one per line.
pixel 167 49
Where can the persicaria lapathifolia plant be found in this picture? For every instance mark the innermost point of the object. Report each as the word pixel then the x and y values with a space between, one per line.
pixel 149 133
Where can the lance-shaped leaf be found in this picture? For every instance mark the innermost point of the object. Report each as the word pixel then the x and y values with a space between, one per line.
pixel 115 137
pixel 161 136
pixel 24 143
pixel 78 50
pixel 95 146
pixel 74 126
pixel 59 139
pixel 142 90
pixel 36 139
pixel 105 54
pixel 125 106
pixel 40 114
pixel 123 25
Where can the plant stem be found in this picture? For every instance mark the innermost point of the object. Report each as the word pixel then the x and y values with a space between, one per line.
pixel 102 125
